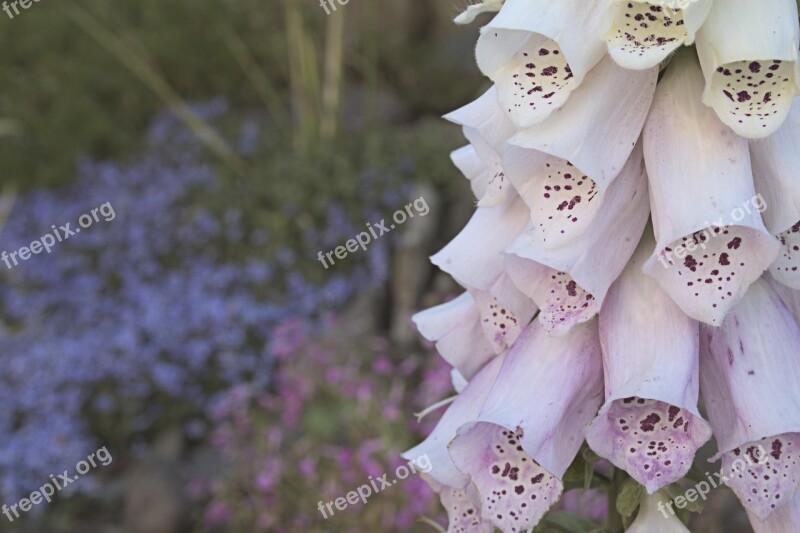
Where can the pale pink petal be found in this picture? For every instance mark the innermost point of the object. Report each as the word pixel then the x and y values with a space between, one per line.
pixel 569 283
pixel 776 169
pixel 748 50
pixel 764 474
pixel 532 423
pixel 786 518
pixel 649 425
pixel 487 129
pixel 750 380
pixel 563 167
pixel 464 409
pixel 712 243
pixel 456 328
pixel 791 297
pixel 474 257
pixel 538 51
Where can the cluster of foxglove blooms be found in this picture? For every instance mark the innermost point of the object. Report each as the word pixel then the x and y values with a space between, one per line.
pixel 583 321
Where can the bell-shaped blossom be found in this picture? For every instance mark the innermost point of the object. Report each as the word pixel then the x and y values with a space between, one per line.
pixel 531 426
pixel 570 283
pixel 538 51
pixel 784 520
pixel 711 241
pixel 455 327
pixel 655 517
pixel 776 170
pixel 475 256
pixel 563 167
pixel 649 425
pixel 645 32
pixel 487 129
pixel 464 409
pixel 750 380
pixel 473 328
pixel 748 50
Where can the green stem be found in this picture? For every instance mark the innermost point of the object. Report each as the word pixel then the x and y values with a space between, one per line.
pixel 614 518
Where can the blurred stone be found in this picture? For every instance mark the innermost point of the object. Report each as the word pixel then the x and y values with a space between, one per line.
pixel 411 269
pixel 153 489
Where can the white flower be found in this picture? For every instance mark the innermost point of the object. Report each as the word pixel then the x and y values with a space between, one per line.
pixel 748 50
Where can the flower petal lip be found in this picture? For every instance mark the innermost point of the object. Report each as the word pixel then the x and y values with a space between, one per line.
pixel 462 514
pixel 748 50
pixel 538 51
pixel 711 240
pixel 464 409
pixel 531 426
pixel 487 129
pixel 645 33
pixel 474 257
pixel 750 382
pixel 569 284
pixel 776 170
pixel 572 157
pixel 784 519
pixel 649 425
pixel 486 185
pixel 455 327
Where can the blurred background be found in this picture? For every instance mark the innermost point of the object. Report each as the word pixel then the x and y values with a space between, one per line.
pixel 234 380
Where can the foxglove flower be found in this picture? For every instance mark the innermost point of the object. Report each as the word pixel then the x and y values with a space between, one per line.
pixel 649 425
pixel 487 129
pixel 464 409
pixel 748 50
pixel 776 169
pixel 563 167
pixel 750 380
pixel 538 51
pixel 531 425
pixel 654 517
pixel 570 283
pixel 711 241
pixel 645 32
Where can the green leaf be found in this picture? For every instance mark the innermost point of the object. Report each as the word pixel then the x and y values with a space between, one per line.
pixel 629 497
pixel 588 474
pixel 569 523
